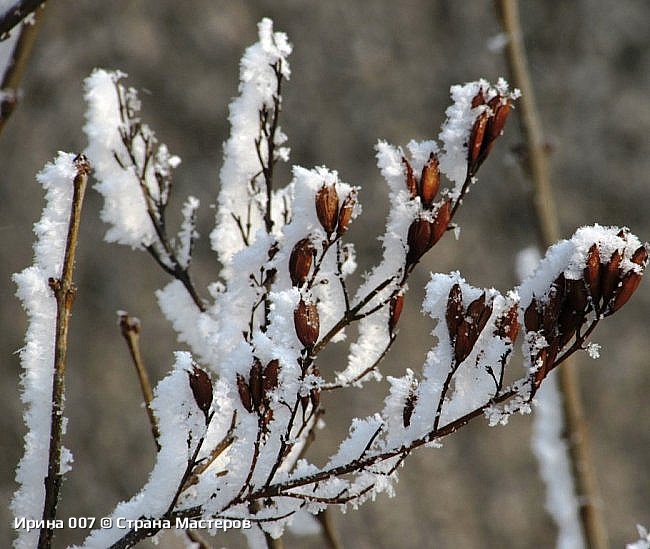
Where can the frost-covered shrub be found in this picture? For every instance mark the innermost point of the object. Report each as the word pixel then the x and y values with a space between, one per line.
pixel 233 418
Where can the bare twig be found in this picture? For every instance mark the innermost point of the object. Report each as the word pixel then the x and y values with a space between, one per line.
pixel 130 328
pixel 14 70
pixel 548 229
pixel 16 13
pixel 64 292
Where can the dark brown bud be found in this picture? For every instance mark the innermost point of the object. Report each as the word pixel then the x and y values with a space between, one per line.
pixel 271 372
pixel 507 325
pixel 395 310
pixel 640 256
pixel 201 389
pixel 533 317
pixel 304 402
pixel 610 276
pixel 327 207
pixel 411 183
pixel 476 138
pixel 478 99
pixel 345 213
pixel 551 310
pixel 409 406
pixel 500 110
pixel 454 314
pixel 307 323
pixel 441 222
pixel 418 238
pixel 465 339
pixel 300 261
pixel 244 393
pixel 479 312
pixel 430 181
pixel 629 284
pixel 578 295
pixel 256 383
pixel 567 324
pixel 591 273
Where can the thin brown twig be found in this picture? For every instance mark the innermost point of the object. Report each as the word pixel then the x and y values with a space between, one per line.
pixel 586 484
pixel 130 328
pixel 14 70
pixel 64 292
pixel 16 13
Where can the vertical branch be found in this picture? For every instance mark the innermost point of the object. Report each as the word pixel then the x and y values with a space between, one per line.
pixel 130 328
pixel 64 292
pixel 547 225
pixel 16 67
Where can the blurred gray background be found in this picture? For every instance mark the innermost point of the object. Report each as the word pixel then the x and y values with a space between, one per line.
pixel 361 71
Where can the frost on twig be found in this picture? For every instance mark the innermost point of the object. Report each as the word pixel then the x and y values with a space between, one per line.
pixel 235 431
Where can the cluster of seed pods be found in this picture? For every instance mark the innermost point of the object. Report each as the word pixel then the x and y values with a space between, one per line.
pixel 255 394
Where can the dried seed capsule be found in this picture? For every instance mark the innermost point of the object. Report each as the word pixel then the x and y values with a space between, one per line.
pixel 454 314
pixel 270 376
pixel 306 323
pixel 610 276
pixel 591 274
pixel 409 407
pixel 532 317
pixel 567 324
pixel 465 339
pixel 327 207
pixel 440 223
pixel 478 99
pixel 201 389
pixel 628 286
pixel 578 295
pixel 507 325
pixel 430 181
pixel 475 144
pixel 640 256
pixel 256 383
pixel 418 238
pixel 345 213
pixel 314 397
pixel 411 183
pixel 244 393
pixel 300 261
pixel 395 310
pixel 500 110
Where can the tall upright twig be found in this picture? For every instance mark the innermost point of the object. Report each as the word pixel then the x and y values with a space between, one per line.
pixel 586 484
pixel 64 292
pixel 15 68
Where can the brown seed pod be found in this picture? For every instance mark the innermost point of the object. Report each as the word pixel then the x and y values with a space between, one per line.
pixel 244 393
pixel 629 284
pixel 395 311
pixel 314 397
pixel 500 110
pixel 440 223
pixel 409 407
pixel 256 383
pixel 300 261
pixel 591 273
pixel 478 99
pixel 640 256
pixel 327 207
pixel 610 276
pixel 270 376
pixel 533 317
pixel 306 323
pixel 454 313
pixel 201 389
pixel 345 213
pixel 430 181
pixel 577 295
pixel 418 238
pixel 507 325
pixel 411 182
pixel 476 138
pixel 465 339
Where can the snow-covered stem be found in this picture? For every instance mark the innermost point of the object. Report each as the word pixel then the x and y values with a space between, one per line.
pixel 548 229
pixel 13 15
pixel 64 292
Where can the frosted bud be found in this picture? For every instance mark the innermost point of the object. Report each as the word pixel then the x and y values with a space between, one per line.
pixel 327 207
pixel 201 389
pixel 307 323
pixel 300 261
pixel 430 181
pixel 244 393
pixel 345 213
